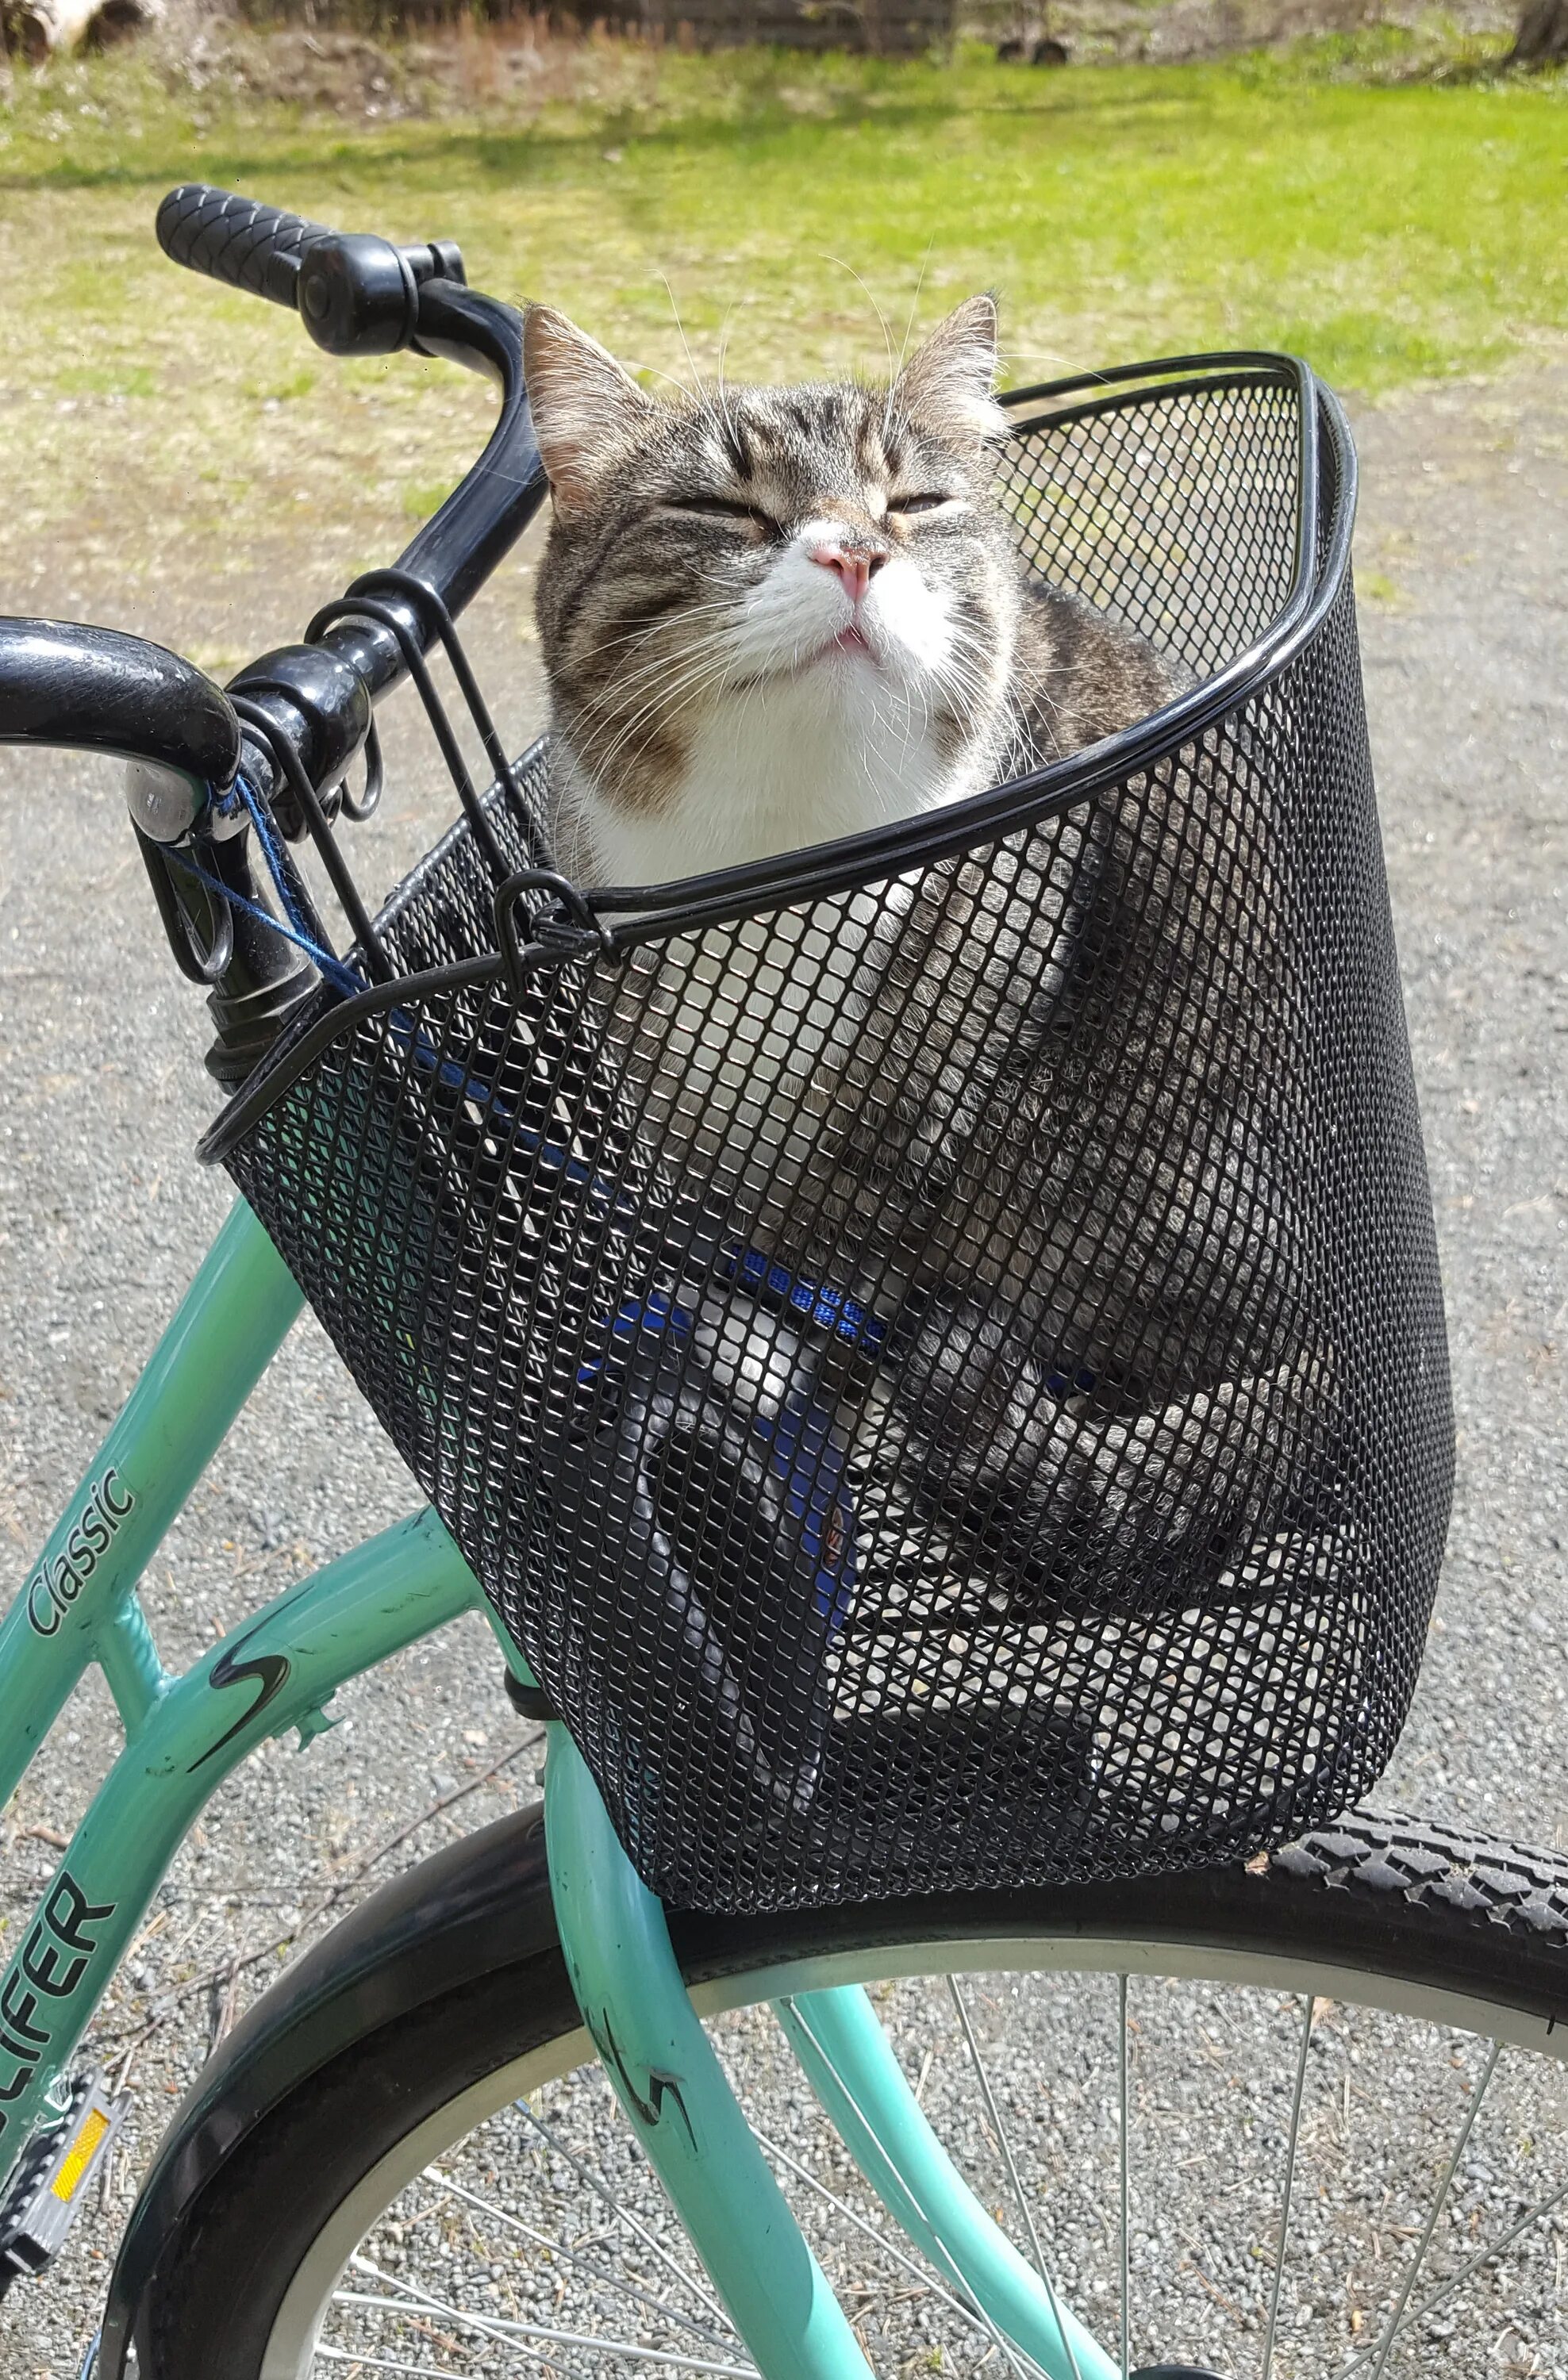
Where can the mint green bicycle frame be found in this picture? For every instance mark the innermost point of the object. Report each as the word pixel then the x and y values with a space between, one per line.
pixel 184 1734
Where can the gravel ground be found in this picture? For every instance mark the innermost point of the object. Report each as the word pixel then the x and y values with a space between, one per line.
pixel 103 1214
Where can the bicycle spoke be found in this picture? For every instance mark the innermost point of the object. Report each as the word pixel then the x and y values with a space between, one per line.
pixel 553 2230
pixel 500 2326
pixel 889 2246
pixel 1308 2005
pixel 380 2363
pixel 1437 2204
pixel 1024 2208
pixel 1456 2281
pixel 577 2256
pixel 999 2338
pixel 358 2361
pixel 601 2188
pixel 998 2127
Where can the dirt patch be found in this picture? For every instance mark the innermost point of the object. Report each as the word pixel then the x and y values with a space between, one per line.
pixel 469 67
pixel 347 73
pixel 1187 31
pixel 333 71
pixel 459 69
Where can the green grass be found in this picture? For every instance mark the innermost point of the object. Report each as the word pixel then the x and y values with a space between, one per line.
pixel 1390 232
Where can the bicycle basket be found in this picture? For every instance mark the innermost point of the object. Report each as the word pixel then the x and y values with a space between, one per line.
pixel 933 1346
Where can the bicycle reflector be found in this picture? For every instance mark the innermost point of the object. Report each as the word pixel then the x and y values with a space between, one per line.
pixel 51 2180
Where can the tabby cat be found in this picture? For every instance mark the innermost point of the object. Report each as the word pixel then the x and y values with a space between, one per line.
pixel 771 617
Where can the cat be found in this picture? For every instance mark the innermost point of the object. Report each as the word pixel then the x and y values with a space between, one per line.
pixel 772 617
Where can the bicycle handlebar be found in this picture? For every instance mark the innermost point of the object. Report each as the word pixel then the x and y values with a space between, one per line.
pixel 304 711
pixel 358 294
pixel 95 690
pixel 355 294
pixel 238 240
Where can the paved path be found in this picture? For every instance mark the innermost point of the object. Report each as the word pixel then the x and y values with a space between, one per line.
pixel 102 1215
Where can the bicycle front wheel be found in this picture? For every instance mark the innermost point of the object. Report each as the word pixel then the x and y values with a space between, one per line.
pixel 1306 2118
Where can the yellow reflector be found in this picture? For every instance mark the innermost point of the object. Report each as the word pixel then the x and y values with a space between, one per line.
pixel 81 2157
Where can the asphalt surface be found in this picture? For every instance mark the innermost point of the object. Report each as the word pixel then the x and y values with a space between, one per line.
pixel 103 1215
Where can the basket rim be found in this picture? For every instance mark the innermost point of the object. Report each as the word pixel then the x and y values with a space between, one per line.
pixel 627 916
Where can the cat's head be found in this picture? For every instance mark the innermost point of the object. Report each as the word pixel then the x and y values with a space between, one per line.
pixel 813 583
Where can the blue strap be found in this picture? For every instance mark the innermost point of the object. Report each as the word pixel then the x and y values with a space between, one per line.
pixel 225 805
pixel 834 1309
pixel 804 1447
pixel 806 1452
pixel 277 867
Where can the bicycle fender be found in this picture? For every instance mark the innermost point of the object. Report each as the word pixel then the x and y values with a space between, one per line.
pixel 481 1902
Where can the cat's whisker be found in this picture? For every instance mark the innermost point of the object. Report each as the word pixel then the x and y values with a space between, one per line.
pixel 686 343
pixel 624 682
pixel 631 736
pixel 720 605
pixel 637 639
pixel 714 409
pixel 724 343
pixel 681 387
pixel 881 317
pixel 694 678
pixel 914 306
pixel 721 395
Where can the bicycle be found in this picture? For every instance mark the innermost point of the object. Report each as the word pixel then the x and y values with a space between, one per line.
pixel 754 1818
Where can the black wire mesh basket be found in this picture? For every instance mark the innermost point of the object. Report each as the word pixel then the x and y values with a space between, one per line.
pixel 934 1345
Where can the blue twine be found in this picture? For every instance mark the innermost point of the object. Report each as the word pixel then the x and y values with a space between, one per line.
pixel 333 968
pixel 276 865
pixel 294 931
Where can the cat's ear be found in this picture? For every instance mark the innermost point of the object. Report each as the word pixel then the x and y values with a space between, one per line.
pixel 948 385
pixel 584 406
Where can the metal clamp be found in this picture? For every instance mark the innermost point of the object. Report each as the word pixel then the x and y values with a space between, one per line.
pixel 551 936
pixel 178 905
pixel 529 1702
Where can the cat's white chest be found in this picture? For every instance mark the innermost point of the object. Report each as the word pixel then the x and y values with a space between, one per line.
pixel 781 767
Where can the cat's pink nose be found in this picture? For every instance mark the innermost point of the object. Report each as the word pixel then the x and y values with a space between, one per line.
pixel 856 564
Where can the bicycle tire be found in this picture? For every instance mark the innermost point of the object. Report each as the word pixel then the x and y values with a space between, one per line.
pixel 1421 1919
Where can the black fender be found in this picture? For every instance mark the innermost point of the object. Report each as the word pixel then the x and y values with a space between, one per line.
pixel 480 1903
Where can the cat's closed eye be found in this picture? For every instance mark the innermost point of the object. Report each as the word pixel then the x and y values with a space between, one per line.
pixel 930 501
pixel 727 508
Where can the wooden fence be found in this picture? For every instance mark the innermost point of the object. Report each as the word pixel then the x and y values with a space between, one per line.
pixel 893 29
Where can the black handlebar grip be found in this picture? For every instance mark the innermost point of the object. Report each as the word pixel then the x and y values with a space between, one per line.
pixel 238 240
